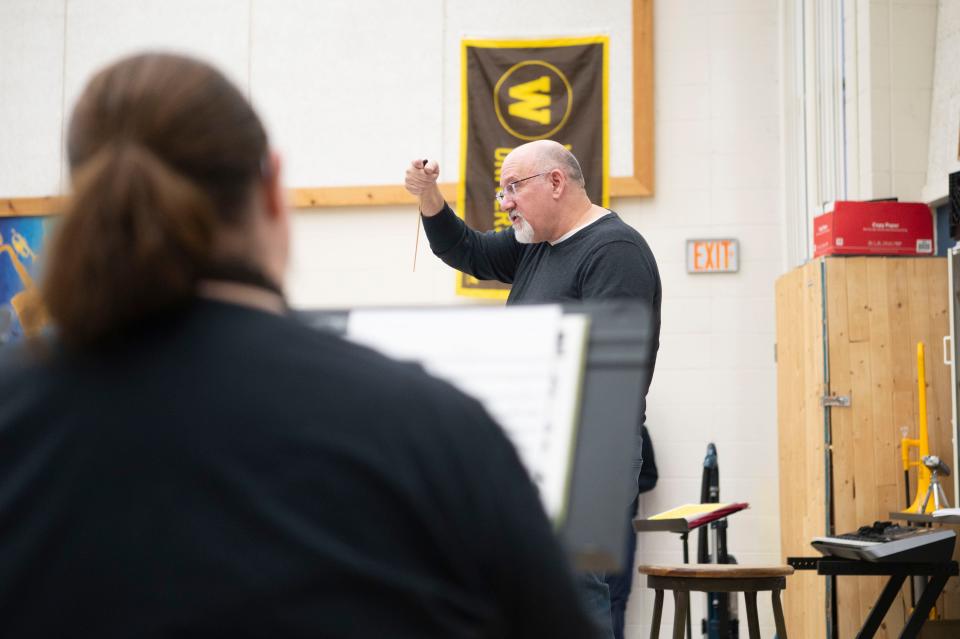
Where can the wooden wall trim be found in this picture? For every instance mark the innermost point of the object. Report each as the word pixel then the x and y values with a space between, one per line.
pixel 643 135
pixel 46 205
pixel 640 184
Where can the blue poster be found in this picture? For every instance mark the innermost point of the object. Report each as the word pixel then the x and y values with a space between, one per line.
pixel 21 240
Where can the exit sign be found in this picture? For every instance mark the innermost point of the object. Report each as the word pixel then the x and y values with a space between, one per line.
pixel 713 256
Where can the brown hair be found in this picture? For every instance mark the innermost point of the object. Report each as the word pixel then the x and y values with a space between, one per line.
pixel 163 150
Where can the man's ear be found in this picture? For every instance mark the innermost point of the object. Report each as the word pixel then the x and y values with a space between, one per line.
pixel 558 183
pixel 275 200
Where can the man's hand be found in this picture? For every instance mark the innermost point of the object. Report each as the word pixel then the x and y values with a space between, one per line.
pixel 421 181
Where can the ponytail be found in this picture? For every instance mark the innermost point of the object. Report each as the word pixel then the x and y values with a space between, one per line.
pixel 134 237
pixel 165 156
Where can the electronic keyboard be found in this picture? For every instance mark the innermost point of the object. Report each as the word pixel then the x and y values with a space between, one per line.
pixel 885 541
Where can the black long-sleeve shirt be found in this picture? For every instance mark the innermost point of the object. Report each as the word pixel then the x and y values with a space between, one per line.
pixel 606 260
pixel 222 471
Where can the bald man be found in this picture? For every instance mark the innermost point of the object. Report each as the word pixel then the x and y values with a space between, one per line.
pixel 561 247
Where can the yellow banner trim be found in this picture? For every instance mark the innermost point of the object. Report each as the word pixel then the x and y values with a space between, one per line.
pixel 500 294
pixel 535 42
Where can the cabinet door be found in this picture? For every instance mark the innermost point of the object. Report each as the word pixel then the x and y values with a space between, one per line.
pixel 849 327
pixel 953 262
pixel 877 309
pixel 800 418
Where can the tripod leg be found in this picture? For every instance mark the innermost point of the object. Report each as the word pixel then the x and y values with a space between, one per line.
pixel 926 498
pixel 939 497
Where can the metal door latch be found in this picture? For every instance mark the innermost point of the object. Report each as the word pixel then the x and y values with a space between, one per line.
pixel 835 401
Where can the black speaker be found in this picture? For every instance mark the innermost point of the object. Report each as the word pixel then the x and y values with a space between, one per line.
pixel 955 206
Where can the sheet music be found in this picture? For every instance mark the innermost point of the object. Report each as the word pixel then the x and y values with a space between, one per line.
pixel 524 364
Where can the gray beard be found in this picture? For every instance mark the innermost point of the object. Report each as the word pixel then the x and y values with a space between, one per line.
pixel 523 234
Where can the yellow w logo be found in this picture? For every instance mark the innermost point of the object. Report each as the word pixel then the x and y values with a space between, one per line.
pixel 534 100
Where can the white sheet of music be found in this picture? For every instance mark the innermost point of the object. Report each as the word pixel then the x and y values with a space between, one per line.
pixel 523 363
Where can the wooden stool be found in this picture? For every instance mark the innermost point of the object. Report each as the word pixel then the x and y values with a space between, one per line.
pixel 683 578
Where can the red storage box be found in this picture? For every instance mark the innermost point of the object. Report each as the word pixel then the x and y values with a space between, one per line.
pixel 873 228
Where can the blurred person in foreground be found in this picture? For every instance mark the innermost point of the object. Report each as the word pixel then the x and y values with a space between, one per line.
pixel 185 459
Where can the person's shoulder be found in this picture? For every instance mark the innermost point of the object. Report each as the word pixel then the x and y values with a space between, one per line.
pixel 358 365
pixel 23 364
pixel 611 229
pixel 388 381
pixel 302 344
pixel 311 361
pixel 613 225
pixel 616 242
pixel 28 354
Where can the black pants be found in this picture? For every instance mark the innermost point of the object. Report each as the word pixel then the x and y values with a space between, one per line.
pixel 621 583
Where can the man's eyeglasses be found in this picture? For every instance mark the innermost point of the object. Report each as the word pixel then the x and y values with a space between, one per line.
pixel 511 189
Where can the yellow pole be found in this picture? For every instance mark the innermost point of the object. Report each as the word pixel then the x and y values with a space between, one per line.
pixel 923 473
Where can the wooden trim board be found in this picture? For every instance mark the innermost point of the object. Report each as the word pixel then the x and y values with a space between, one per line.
pixel 640 184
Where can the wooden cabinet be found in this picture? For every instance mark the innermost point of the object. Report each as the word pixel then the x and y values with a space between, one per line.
pixel 848 328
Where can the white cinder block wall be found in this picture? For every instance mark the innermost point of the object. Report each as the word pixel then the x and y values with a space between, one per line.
pixel 718 175
pixel 717 162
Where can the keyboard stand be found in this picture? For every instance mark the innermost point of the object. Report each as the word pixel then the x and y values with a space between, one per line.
pixel 898 572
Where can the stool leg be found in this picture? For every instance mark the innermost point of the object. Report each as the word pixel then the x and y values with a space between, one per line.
pixel 682 602
pixel 657 610
pixel 778 616
pixel 754 623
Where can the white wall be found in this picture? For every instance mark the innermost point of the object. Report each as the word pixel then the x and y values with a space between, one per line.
pixel 31 110
pixel 858 79
pixel 390 73
pixel 717 99
pixel 894 67
pixel 944 140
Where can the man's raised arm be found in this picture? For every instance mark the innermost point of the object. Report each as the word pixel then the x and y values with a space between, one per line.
pixel 421 182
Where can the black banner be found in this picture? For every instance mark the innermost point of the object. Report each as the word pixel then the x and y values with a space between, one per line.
pixel 517 91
